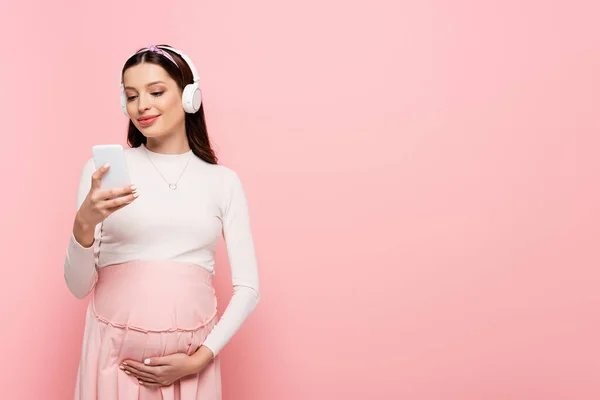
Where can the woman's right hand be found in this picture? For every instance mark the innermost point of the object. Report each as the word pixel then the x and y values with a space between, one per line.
pixel 98 205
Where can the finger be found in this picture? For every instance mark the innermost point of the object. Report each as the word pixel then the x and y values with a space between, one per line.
pixel 97 176
pixel 119 202
pixel 149 384
pixel 157 361
pixel 143 377
pixel 113 209
pixel 109 194
pixel 129 370
pixel 139 367
pixel 125 204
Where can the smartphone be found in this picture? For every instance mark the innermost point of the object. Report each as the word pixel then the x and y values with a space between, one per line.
pixel 117 175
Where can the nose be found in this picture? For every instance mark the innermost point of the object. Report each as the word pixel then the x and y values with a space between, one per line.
pixel 143 103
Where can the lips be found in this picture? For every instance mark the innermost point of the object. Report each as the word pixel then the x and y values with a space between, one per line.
pixel 148 120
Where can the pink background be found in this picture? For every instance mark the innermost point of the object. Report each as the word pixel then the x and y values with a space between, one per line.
pixel 422 177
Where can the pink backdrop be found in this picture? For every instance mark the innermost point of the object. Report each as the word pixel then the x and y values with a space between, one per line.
pixel 422 177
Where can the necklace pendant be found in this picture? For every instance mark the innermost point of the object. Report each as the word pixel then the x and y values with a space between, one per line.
pixel 172 186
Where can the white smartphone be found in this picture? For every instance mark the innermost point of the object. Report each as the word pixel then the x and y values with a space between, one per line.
pixel 117 175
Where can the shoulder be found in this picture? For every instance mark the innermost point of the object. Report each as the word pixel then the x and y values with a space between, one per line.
pixel 223 175
pixel 227 182
pixel 132 152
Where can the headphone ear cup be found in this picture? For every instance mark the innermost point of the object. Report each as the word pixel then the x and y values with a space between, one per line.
pixel 124 102
pixel 191 98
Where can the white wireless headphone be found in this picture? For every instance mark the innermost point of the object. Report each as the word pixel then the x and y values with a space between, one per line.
pixel 191 97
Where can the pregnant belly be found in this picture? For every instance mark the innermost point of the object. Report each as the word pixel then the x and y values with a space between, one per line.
pixel 153 308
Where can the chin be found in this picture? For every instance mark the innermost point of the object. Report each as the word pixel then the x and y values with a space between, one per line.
pixel 150 131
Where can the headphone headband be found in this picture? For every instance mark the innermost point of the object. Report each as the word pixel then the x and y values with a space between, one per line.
pixel 185 58
pixel 188 61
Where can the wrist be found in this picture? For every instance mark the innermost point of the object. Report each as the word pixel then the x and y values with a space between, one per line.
pixel 81 222
pixel 83 231
pixel 200 359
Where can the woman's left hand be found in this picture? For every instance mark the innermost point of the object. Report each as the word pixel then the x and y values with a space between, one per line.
pixel 160 371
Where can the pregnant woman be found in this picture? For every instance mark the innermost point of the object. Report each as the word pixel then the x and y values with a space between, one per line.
pixel 147 250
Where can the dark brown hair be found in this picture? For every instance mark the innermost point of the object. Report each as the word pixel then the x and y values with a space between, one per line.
pixel 195 124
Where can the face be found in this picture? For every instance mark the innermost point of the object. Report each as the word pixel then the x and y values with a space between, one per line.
pixel 153 100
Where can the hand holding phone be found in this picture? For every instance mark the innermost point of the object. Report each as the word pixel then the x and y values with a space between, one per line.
pixel 110 188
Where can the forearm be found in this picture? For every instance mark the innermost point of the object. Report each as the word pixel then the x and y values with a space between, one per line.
pixel 80 264
pixel 80 259
pixel 241 305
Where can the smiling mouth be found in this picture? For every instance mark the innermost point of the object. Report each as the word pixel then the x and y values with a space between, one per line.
pixel 148 121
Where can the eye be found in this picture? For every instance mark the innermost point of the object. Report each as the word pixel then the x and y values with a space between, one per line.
pixel 130 98
pixel 157 93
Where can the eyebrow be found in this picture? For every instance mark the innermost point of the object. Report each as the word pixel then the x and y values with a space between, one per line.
pixel 149 84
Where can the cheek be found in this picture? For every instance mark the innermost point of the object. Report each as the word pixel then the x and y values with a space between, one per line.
pixel 174 109
pixel 170 99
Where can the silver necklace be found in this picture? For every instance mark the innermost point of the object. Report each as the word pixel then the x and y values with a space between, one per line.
pixel 172 186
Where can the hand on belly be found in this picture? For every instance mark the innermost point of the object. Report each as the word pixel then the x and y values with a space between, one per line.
pixel 160 371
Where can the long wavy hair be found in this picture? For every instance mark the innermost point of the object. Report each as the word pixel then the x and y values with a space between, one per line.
pixel 195 124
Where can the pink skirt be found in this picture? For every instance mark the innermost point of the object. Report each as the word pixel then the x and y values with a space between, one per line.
pixel 147 309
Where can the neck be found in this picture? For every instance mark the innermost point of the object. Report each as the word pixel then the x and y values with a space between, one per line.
pixel 168 144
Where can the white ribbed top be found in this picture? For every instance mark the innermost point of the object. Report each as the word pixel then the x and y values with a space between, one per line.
pixel 179 225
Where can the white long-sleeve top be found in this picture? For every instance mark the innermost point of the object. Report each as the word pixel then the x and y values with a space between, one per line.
pixel 179 225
